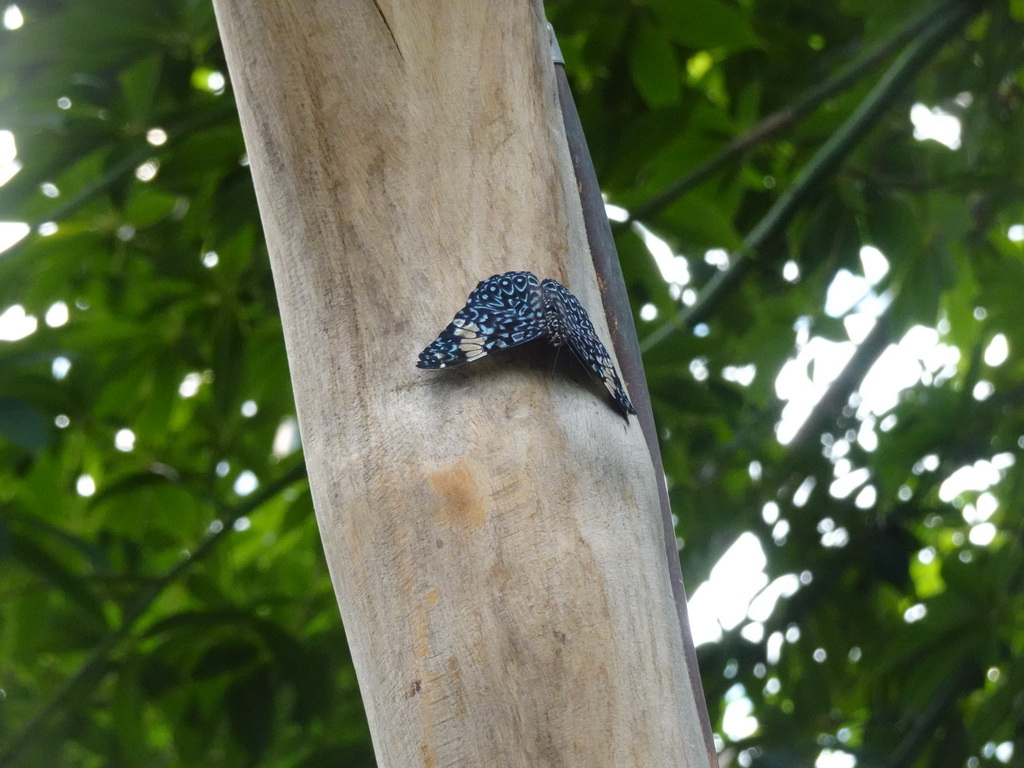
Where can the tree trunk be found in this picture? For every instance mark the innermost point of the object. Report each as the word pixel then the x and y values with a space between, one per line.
pixel 492 531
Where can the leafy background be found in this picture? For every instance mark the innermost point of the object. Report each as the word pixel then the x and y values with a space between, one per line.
pixel 164 598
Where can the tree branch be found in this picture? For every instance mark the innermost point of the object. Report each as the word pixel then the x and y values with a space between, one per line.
pixel 824 162
pixel 779 121
pixel 921 734
pixel 848 381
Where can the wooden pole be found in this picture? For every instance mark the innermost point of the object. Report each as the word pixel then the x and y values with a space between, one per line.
pixel 492 531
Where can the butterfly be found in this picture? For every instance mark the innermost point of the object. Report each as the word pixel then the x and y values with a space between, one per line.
pixel 514 308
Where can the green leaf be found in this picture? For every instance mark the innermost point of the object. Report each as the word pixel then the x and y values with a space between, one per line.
pixel 701 225
pixel 226 659
pixel 250 707
pixel 52 569
pixel 654 68
pixel 832 238
pixel 147 205
pixel 129 710
pixel 139 86
pixel 892 224
pixel 703 24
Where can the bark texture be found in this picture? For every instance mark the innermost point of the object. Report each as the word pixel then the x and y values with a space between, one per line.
pixel 492 531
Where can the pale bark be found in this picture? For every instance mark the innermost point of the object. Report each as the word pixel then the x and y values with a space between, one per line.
pixel 492 531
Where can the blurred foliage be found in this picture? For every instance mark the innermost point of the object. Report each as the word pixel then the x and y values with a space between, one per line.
pixel 155 611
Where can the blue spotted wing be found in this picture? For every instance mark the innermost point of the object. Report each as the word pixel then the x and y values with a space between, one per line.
pixel 568 323
pixel 502 311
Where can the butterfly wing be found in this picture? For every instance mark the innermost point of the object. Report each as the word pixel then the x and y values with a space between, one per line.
pixel 569 324
pixel 502 311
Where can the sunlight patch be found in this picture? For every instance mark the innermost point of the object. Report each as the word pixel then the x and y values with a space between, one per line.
pixel 738 721
pixel 85 485
pixel 935 124
pixel 15 324
pixel 59 367
pixel 723 601
pixel 13 18
pixel 829 758
pixel 246 483
pixel 997 351
pixel 124 440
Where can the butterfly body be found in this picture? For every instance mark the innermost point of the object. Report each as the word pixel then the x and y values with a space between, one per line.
pixel 514 308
